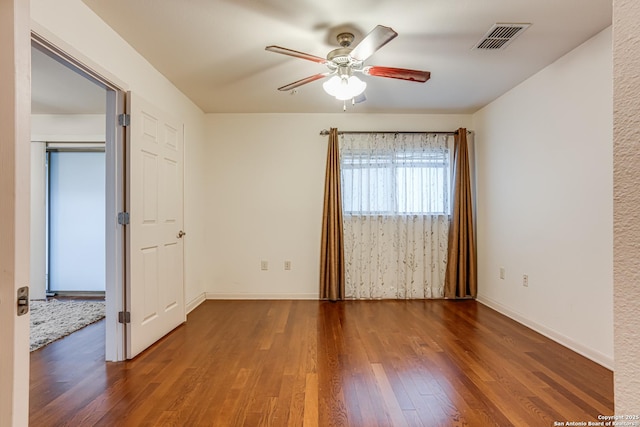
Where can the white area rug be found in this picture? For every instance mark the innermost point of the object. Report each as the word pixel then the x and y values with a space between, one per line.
pixel 53 319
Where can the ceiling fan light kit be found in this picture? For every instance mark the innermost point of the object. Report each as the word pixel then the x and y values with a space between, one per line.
pixel 344 89
pixel 344 61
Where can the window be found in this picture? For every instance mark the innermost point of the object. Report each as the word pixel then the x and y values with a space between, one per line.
pixel 396 174
pixel 395 200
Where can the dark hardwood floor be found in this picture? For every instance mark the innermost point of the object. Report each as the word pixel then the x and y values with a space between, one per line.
pixel 293 363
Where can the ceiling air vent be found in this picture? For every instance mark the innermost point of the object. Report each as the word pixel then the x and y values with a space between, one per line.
pixel 500 36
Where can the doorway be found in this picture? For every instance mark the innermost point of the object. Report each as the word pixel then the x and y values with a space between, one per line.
pixel 77 138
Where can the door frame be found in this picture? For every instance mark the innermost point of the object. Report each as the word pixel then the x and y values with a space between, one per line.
pixel 15 78
pixel 115 149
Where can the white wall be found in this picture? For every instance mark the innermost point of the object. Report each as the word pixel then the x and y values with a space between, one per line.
pixel 544 191
pixel 265 192
pixel 84 35
pixel 626 63
pixel 68 127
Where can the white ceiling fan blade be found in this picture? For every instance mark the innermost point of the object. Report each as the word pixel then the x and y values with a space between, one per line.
pixel 373 41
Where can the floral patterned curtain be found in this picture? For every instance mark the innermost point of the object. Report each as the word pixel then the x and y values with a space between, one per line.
pixel 395 191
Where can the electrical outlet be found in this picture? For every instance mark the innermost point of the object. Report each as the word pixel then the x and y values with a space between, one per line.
pixel 525 280
pixel 502 273
pixel 287 265
pixel 264 265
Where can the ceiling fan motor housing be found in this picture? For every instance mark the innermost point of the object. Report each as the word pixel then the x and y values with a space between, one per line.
pixel 341 56
pixel 345 39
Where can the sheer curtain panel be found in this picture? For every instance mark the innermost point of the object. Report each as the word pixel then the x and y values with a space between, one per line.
pixel 395 196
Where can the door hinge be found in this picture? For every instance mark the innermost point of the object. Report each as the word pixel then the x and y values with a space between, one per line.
pixel 124 119
pixel 124 317
pixel 123 218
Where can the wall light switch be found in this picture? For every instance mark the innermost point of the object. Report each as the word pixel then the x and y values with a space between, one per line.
pixel 502 273
pixel 287 265
pixel 264 265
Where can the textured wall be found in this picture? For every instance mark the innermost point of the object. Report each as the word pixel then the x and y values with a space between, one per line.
pixel 626 204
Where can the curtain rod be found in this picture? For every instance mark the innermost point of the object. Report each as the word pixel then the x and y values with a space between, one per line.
pixel 325 132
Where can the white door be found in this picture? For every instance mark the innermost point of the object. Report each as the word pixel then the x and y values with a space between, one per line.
pixel 155 282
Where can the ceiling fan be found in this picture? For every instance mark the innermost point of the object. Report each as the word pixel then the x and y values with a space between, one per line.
pixel 344 61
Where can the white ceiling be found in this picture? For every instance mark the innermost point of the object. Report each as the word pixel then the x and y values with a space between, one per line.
pixel 56 89
pixel 213 50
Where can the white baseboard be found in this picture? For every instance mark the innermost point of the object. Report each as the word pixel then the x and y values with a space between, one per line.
pixel 251 296
pixel 589 353
pixel 191 305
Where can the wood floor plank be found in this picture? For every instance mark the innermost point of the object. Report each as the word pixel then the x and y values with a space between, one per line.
pixel 314 363
pixel 311 401
pixel 393 410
